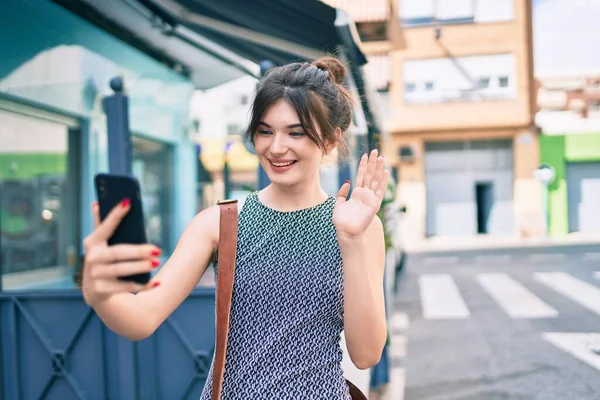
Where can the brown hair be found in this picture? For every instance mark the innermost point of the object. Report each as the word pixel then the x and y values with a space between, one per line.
pixel 316 93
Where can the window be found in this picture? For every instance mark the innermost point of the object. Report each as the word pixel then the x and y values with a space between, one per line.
pixel 415 12
pixel 423 12
pixel 372 31
pixel 475 77
pixel 493 10
pixel 39 197
pixel 484 82
pixel 454 11
pixel 410 87
pixel 151 164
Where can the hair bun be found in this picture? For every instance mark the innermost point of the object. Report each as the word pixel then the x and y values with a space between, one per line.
pixel 336 70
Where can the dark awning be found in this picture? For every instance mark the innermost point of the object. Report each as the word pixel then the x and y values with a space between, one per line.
pixel 276 30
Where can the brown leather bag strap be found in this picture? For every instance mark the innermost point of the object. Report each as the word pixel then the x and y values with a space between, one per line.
pixel 228 227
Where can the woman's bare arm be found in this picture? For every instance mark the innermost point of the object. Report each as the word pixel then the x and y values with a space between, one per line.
pixel 137 316
pixel 365 325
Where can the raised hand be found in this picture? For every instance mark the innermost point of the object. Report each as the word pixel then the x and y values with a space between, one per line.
pixel 105 264
pixel 352 217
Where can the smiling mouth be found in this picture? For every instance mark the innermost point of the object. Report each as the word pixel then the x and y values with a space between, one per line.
pixel 282 163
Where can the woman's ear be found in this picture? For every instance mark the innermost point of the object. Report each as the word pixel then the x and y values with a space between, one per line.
pixel 333 142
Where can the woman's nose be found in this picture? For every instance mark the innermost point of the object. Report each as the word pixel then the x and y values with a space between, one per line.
pixel 278 145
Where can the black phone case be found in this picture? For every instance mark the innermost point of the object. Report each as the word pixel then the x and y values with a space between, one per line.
pixel 111 189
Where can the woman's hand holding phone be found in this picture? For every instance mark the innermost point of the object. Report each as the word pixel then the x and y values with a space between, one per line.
pixel 104 264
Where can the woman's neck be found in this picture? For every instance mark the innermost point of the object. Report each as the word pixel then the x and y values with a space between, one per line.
pixel 292 198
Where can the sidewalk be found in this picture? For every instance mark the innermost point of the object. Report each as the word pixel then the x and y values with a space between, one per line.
pixel 484 242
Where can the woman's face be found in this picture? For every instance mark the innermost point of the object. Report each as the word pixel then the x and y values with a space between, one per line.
pixel 286 153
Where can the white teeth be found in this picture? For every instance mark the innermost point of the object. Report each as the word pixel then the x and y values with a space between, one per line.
pixel 283 164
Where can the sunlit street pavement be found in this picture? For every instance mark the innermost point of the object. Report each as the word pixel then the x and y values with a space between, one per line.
pixel 503 324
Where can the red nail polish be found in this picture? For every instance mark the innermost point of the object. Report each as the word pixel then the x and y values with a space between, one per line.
pixel 155 284
pixel 347 181
pixel 155 263
pixel 125 203
pixel 155 252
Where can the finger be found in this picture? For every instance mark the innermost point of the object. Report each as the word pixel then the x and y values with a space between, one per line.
pixel 96 213
pixel 383 186
pixel 378 174
pixel 120 269
pixel 343 193
pixel 370 169
pixel 123 252
pixel 131 252
pixel 362 169
pixel 112 220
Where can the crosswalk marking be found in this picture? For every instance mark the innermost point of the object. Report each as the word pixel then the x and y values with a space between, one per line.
pixel 397 384
pixel 577 290
pixel 583 346
pixel 398 346
pixel 399 322
pixel 517 301
pixel 441 298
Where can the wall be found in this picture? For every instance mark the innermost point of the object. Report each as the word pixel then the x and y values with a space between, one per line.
pixel 465 40
pixel 527 195
pixel 557 150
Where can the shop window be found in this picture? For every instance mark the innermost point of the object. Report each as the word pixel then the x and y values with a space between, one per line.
pixel 152 166
pixel 39 192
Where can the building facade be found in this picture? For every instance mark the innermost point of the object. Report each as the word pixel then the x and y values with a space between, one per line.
pixel 567 69
pixel 458 96
pixel 569 118
pixel 54 73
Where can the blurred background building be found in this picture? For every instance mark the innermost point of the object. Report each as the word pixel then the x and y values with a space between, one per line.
pixel 567 65
pixel 459 101
pixel 451 93
pixel 466 99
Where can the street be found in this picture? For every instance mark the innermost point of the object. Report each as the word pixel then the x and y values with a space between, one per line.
pixel 518 323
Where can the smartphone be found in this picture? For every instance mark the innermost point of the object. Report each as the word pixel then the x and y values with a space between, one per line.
pixel 111 189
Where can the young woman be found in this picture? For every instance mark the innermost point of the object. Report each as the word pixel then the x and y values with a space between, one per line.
pixel 308 265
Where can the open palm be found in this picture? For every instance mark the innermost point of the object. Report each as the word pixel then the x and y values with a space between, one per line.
pixel 352 217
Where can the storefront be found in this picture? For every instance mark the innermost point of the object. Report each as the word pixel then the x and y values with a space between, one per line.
pixel 53 140
pixel 574 195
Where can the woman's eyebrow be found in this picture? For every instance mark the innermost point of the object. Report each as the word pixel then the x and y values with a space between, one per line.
pixel 297 125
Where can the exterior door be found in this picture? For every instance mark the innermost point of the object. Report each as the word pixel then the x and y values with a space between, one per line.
pixel 583 196
pixel 456 175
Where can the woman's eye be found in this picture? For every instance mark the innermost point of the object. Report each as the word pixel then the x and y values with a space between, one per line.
pixel 297 134
pixel 264 132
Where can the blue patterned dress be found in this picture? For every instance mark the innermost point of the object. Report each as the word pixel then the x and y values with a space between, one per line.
pixel 287 307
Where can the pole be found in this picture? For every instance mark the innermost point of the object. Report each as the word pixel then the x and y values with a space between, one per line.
pixel 226 178
pixel 1 258
pixel 116 108
pixel 546 209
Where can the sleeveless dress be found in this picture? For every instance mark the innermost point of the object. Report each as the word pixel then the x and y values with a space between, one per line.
pixel 287 307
